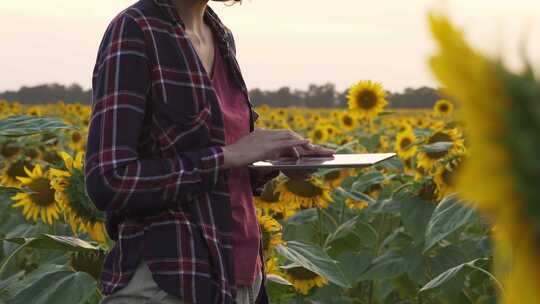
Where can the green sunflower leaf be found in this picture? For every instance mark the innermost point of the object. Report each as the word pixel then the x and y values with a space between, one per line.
pixel 315 259
pixel 52 284
pixel 57 242
pixel 441 146
pixel 23 125
pixel 450 215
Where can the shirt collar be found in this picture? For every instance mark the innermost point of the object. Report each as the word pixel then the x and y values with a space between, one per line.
pixel 168 8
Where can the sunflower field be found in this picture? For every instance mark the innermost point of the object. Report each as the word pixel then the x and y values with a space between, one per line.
pixel 452 219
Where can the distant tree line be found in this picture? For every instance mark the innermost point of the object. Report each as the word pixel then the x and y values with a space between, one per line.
pixel 324 95
pixel 46 93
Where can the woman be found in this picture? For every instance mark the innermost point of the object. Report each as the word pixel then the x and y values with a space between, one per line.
pixel 170 137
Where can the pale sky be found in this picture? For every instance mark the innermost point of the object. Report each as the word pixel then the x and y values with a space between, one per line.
pixel 279 42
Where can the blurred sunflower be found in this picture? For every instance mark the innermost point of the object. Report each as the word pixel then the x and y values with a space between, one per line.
pixel 343 140
pixel 443 108
pixel 34 111
pixel 299 121
pixel 319 135
pixel 9 149
pixel 331 130
pixel 80 213
pixel 308 193
pixel 303 279
pixel 269 201
pixel 13 169
pixel 263 108
pixel 271 266
pixel 444 177
pixel 384 143
pixel 355 204
pixel 427 160
pixel 367 99
pixel 335 177
pixel 271 233
pixel 76 141
pixel 39 201
pixel 405 147
pixel 373 191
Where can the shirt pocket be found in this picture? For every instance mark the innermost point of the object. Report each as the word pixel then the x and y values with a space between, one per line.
pixel 182 111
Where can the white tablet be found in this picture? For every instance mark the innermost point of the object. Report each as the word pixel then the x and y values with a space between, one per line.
pixel 335 161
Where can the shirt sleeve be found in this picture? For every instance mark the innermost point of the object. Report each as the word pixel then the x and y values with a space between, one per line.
pixel 117 178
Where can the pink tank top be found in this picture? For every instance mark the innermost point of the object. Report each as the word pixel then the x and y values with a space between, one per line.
pixel 246 236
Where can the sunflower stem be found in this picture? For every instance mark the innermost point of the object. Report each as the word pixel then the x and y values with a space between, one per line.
pixel 342 212
pixel 321 242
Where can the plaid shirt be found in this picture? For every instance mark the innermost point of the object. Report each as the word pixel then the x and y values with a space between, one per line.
pixel 154 161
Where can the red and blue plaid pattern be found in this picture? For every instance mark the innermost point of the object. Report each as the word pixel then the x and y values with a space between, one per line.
pixel 154 161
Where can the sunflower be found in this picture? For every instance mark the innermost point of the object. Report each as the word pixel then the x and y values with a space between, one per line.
pixel 39 201
pixel 355 204
pixel 9 149
pixel 335 177
pixel 343 140
pixel 271 266
pixel 319 134
pixel 444 177
pixel 79 211
pixel 443 108
pixel 427 160
pixel 14 169
pixel 331 130
pixel 299 121
pixel 405 147
pixel 269 201
pixel 372 191
pixel 367 99
pixel 76 141
pixel 303 279
pixel 34 111
pixel 384 143
pixel 263 108
pixel 308 193
pixel 270 231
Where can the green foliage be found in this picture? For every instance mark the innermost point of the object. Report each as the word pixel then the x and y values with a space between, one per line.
pixel 24 125
pixel 401 248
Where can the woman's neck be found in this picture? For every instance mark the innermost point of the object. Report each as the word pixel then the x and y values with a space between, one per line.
pixel 192 13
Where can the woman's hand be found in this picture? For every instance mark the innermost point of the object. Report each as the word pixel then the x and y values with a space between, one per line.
pixel 261 144
pixel 305 150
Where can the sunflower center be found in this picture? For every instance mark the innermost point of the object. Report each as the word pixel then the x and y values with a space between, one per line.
pixel 303 188
pixel 76 137
pixel 347 120
pixel 405 143
pixel 52 157
pixel 17 168
pixel 427 192
pixel 367 99
pixel 43 194
pixel 9 150
pixel 443 108
pixel 301 273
